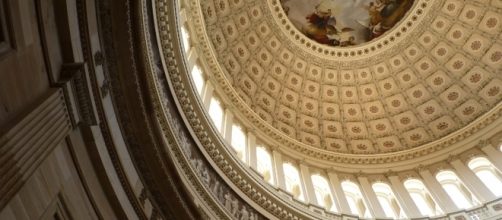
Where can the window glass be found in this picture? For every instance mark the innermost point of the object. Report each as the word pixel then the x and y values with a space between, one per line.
pixel 185 39
pixel 292 179
pixel 323 192
pixel 421 203
pixel 385 197
pixel 458 197
pixel 239 141
pixel 387 208
pixel 264 164
pixel 198 79
pixel 491 181
pixel 355 199
pixel 216 113
pixel 484 169
pixel 451 185
pixel 421 197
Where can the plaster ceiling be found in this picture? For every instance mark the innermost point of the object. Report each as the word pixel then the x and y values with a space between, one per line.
pixel 433 73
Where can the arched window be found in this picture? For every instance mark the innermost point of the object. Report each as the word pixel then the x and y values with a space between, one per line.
pixel 198 79
pixel 292 179
pixel 185 39
pixel 387 200
pixel 487 174
pixel 216 113
pixel 264 164
pixel 323 192
pixel 238 141
pixel 355 199
pixel 462 198
pixel 422 198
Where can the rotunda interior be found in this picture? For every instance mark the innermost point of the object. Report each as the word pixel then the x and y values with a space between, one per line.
pixel 251 109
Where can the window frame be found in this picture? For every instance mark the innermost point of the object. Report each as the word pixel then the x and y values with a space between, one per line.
pixel 260 147
pixel 457 182
pixel 432 207
pixel 324 192
pixel 357 197
pixel 301 195
pixel 220 127
pixel 486 167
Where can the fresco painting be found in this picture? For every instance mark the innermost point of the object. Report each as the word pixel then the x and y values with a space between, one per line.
pixel 345 23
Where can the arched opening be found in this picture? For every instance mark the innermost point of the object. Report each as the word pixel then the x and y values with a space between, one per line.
pixel 264 164
pixel 422 198
pixel 323 192
pixel 185 39
pixel 355 199
pixel 216 113
pixel 198 78
pixel 388 201
pixel 238 141
pixel 293 181
pixel 487 173
pixel 450 182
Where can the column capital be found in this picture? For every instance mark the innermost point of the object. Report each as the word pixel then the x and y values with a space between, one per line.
pixel 482 143
pixel 390 173
pixel 452 157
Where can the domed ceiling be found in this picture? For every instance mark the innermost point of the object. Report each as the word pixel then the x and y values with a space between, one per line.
pixel 425 77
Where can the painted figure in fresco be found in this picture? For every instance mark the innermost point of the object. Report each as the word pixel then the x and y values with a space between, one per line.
pixel 323 29
pixel 384 14
pixel 322 24
pixel 345 22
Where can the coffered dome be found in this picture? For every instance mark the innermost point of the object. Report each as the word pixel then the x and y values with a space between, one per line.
pixel 429 80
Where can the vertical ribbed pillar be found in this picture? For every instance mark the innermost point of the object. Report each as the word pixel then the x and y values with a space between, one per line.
pixel 341 203
pixel 404 198
pixel 278 170
pixel 251 150
pixel 369 195
pixel 494 155
pixel 437 192
pixel 307 186
pixel 472 182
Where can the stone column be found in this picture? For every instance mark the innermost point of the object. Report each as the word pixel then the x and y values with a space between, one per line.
pixel 307 186
pixel 494 155
pixel 370 197
pixel 251 150
pixel 341 203
pixel 278 170
pixel 404 197
pixel 437 192
pixel 472 182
